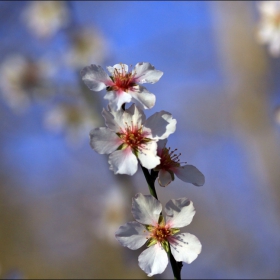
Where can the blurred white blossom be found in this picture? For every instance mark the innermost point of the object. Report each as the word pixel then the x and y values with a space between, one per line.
pixel 75 119
pixel 45 18
pixel 269 27
pixel 113 214
pixel 22 79
pixel 86 46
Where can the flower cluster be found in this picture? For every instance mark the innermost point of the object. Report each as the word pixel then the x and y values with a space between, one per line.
pixel 130 138
pixel 50 76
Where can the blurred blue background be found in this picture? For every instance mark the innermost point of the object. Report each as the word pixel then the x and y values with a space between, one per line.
pixel 60 204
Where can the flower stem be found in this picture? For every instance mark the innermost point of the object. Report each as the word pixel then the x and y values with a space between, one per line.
pixel 150 181
pixel 176 266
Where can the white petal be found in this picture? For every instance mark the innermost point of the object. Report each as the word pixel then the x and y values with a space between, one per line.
pixel 146 209
pixel 134 115
pixel 146 73
pixel 119 67
pixel 104 141
pixel 95 77
pixel 185 247
pixel 132 235
pixel 164 178
pixel 179 212
pixel 161 124
pixel 147 155
pixel 123 162
pixel 117 99
pixel 190 174
pixel 113 119
pixel 153 260
pixel 145 98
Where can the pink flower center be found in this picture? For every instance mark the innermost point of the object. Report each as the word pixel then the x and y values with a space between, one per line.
pixel 123 81
pixel 161 233
pixel 134 137
pixel 168 159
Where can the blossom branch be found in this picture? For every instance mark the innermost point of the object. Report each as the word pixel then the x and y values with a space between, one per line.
pixel 130 138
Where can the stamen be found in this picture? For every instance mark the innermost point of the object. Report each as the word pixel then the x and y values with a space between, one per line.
pixel 169 158
pixel 161 233
pixel 134 136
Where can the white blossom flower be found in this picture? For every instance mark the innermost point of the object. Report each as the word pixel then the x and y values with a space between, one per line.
pixel 151 228
pixel 130 136
pixel 170 165
pixel 269 27
pixel 123 86
pixel 86 44
pixel 45 18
